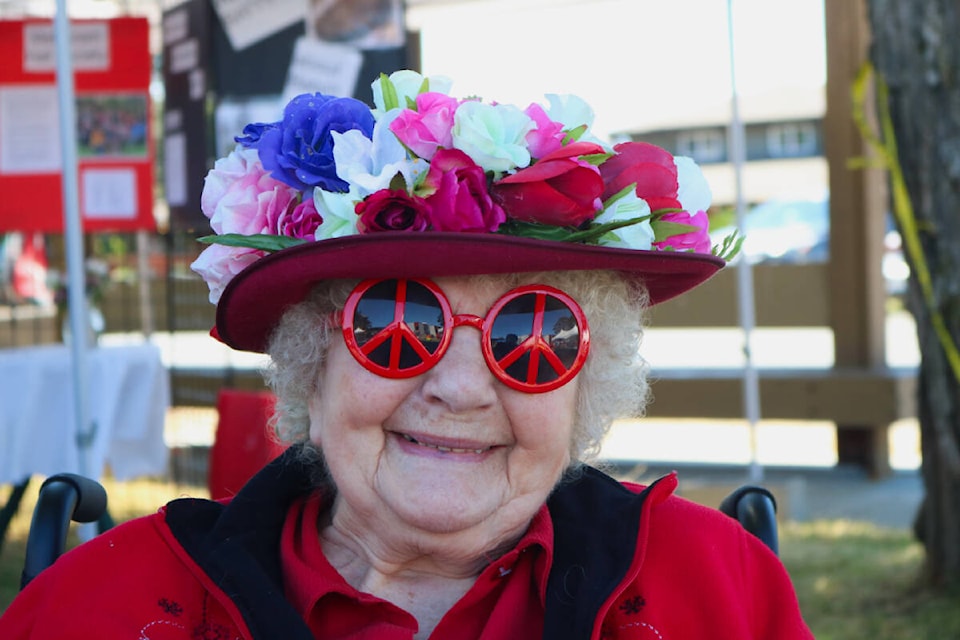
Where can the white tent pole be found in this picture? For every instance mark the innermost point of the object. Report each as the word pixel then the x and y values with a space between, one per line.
pixel 73 236
pixel 745 293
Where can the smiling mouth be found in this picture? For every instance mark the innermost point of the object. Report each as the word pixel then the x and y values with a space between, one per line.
pixel 442 448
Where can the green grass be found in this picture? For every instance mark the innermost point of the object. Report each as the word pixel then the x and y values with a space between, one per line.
pixel 854 580
pixel 857 580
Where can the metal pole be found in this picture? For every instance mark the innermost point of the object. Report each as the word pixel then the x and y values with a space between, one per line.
pixel 73 237
pixel 745 293
pixel 143 278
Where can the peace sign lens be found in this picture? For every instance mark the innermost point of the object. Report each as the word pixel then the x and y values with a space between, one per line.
pixel 534 338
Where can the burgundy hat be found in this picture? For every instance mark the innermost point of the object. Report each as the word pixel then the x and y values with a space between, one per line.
pixel 253 302
pixel 427 185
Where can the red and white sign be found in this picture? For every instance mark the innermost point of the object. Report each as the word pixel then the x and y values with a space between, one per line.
pixel 111 60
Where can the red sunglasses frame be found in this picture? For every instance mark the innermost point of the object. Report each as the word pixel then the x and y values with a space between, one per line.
pixel 398 330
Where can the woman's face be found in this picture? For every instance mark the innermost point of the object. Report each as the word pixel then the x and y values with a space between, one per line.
pixel 450 450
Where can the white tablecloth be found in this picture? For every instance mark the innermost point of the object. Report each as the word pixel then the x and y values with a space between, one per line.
pixel 129 392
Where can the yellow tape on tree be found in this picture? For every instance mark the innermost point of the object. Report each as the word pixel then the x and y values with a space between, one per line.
pixel 885 146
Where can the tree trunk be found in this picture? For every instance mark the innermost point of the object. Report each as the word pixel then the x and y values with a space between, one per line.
pixel 916 51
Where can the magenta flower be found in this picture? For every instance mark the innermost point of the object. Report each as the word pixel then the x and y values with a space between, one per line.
pixel 392 210
pixel 458 197
pixel 696 240
pixel 547 137
pixel 429 127
pixel 298 220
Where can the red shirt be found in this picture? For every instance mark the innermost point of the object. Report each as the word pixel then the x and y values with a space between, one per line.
pixel 506 601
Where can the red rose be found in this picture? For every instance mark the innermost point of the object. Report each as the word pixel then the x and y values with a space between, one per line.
pixel 388 210
pixel 559 189
pixel 459 200
pixel 647 165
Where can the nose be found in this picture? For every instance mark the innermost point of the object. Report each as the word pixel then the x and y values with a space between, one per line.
pixel 461 379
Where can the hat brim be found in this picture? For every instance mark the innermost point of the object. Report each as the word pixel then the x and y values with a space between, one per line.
pixel 253 302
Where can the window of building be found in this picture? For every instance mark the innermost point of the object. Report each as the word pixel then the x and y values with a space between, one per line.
pixel 703 145
pixel 792 140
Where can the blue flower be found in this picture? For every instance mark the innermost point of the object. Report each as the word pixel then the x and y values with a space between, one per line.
pixel 253 132
pixel 298 150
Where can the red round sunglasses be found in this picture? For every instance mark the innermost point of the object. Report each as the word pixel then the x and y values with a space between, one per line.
pixel 534 338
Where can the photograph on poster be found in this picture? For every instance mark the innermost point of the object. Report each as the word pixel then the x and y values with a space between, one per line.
pixel 365 24
pixel 111 125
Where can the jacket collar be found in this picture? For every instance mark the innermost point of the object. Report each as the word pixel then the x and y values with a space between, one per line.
pixel 597 536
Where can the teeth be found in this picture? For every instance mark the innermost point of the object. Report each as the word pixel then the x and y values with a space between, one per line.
pixel 439 448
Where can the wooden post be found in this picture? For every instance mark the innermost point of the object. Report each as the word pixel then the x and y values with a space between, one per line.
pixel 858 204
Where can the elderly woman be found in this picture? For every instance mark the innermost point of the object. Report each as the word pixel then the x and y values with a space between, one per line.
pixel 452 294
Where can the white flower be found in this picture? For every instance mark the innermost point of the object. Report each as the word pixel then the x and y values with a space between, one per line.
pixel 407 84
pixel 693 190
pixel 370 165
pixel 569 110
pixel 572 112
pixel 338 211
pixel 494 135
pixel 635 236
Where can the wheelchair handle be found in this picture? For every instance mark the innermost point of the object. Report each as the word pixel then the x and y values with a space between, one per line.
pixel 63 497
pixel 756 509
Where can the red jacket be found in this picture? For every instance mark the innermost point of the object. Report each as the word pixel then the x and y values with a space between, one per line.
pixel 628 564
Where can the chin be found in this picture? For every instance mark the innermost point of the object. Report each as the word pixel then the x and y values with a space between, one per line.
pixel 443 519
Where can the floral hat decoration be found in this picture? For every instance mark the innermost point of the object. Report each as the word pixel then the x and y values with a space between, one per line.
pixel 426 184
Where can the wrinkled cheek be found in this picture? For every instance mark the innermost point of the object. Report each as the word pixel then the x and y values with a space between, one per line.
pixel 316 422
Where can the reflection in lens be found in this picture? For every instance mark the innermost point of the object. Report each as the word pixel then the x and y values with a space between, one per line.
pixel 376 311
pixel 422 313
pixel 514 324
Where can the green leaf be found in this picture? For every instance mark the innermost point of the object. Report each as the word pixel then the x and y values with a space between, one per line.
pixel 596 159
pixel 593 233
pixel 574 134
pixel 618 195
pixel 730 246
pixel 589 235
pixel 261 241
pixel 663 230
pixel 535 230
pixel 389 91
pixel 398 182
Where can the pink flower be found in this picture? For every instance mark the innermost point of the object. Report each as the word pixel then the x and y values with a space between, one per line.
pixel 429 127
pixel 218 264
pixel 298 220
pixel 547 137
pixel 647 165
pixel 559 190
pixel 696 240
pixel 240 197
pixel 458 198
pixel 392 210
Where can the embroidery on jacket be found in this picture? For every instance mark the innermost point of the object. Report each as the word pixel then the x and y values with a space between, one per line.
pixel 169 629
pixel 171 607
pixel 622 624
pixel 632 606
pixel 645 629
